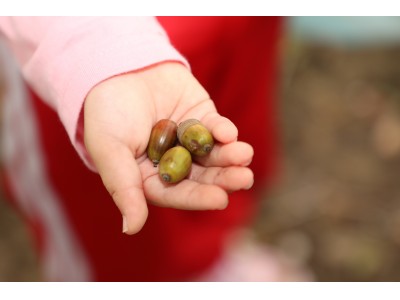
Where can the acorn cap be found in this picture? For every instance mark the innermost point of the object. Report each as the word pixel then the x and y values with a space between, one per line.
pixel 185 125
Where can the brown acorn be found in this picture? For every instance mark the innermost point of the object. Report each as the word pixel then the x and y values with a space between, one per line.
pixel 175 164
pixel 195 137
pixel 162 137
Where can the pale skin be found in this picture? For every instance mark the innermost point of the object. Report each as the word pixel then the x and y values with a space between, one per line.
pixel 119 114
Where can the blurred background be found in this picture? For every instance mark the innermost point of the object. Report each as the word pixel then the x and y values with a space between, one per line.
pixel 336 206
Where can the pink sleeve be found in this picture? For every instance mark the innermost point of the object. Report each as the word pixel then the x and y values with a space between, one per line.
pixel 62 58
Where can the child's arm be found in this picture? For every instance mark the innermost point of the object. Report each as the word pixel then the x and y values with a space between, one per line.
pixel 62 58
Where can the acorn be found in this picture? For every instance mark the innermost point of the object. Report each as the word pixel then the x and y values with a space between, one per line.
pixel 195 137
pixel 163 137
pixel 175 164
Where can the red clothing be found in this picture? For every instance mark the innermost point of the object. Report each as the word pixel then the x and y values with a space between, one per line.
pixel 235 60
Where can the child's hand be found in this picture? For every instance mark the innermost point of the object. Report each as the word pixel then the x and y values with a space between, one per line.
pixel 119 114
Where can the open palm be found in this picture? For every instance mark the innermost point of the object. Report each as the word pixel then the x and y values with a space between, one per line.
pixel 118 117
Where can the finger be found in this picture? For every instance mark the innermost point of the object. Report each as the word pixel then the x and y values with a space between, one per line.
pixel 187 194
pixel 225 155
pixel 222 129
pixel 121 177
pixel 230 178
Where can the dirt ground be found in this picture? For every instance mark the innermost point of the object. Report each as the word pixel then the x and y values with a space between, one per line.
pixel 336 207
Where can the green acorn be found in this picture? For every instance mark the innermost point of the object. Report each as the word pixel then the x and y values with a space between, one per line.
pixel 175 164
pixel 195 137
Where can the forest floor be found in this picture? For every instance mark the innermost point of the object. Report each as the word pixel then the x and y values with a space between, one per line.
pixel 336 207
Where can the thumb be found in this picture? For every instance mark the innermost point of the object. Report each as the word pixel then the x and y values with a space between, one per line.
pixel 121 176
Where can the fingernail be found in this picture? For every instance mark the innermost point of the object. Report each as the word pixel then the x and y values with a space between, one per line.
pixel 124 225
